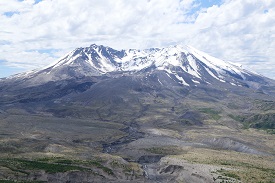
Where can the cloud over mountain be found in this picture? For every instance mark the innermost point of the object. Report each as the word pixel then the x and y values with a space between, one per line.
pixel 35 33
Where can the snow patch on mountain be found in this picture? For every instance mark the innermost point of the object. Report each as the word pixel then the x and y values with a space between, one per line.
pixel 179 61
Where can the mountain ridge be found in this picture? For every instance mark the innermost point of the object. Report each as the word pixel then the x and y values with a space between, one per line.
pixel 185 64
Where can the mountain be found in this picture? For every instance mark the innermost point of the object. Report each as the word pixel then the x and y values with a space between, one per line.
pixel 184 64
pixel 156 115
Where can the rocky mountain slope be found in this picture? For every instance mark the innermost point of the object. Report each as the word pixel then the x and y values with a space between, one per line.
pixel 162 114
pixel 184 64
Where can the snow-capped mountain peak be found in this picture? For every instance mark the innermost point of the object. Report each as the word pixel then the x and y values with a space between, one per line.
pixel 184 64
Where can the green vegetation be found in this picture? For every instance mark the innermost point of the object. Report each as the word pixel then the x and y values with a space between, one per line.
pixel 51 165
pixel 270 131
pixel 258 121
pixel 165 150
pixel 230 174
pixel 211 112
pixel 264 105
pixel 98 165
pixel 237 118
pixel 64 161
pixel 233 106
pixel 94 163
pixel 22 165
pixel 48 167
pixel 262 121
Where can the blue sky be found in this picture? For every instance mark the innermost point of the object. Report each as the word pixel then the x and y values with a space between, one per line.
pixel 6 70
pixel 208 3
pixel 35 33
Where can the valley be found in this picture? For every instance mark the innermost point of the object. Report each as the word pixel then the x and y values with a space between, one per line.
pixel 143 125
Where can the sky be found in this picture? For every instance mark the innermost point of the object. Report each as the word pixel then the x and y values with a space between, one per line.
pixel 35 33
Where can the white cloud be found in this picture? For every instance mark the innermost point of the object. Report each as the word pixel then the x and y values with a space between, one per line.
pixel 238 30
